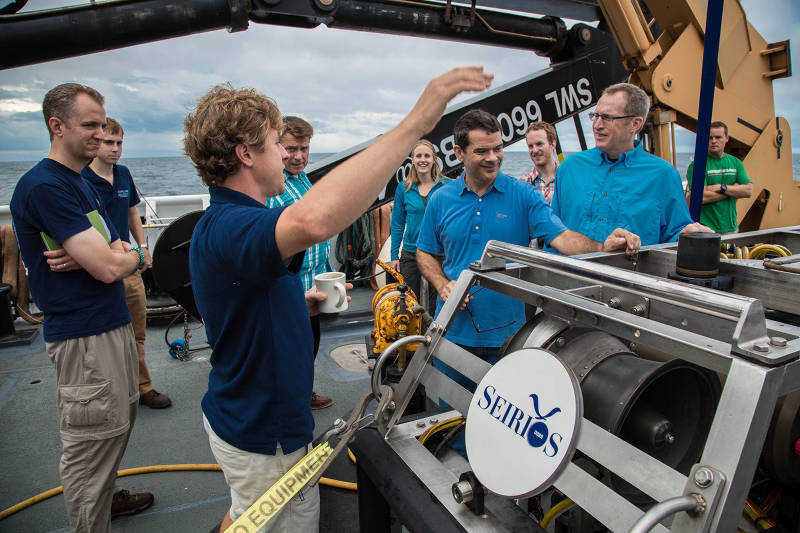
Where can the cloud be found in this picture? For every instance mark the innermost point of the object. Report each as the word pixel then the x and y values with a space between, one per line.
pixel 350 85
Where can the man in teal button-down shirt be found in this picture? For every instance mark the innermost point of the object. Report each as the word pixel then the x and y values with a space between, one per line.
pixel 296 140
pixel 617 184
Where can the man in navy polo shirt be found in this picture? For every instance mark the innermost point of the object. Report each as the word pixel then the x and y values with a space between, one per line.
pixel 86 321
pixel 244 261
pixel 481 205
pixel 114 185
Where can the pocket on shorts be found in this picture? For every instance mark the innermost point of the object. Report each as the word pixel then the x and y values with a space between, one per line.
pixel 86 409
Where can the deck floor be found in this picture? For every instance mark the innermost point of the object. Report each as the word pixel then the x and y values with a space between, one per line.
pixel 184 501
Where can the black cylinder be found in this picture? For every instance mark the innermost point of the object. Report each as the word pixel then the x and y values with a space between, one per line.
pixel 28 38
pixel 698 255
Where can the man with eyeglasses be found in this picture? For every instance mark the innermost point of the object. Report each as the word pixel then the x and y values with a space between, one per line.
pixel 296 140
pixel 619 184
pixel 481 205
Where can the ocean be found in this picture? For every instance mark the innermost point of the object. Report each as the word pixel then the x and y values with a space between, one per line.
pixel 164 176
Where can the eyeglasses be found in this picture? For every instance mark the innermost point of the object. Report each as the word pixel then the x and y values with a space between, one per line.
pixel 475 324
pixel 608 119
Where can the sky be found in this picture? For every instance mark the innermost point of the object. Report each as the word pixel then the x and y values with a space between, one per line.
pixel 350 85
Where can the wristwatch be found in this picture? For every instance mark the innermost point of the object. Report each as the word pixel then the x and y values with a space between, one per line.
pixel 723 188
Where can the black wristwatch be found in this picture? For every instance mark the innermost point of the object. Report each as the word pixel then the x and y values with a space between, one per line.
pixel 723 188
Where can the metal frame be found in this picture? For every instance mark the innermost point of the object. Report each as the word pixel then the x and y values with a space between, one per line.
pixel 723 332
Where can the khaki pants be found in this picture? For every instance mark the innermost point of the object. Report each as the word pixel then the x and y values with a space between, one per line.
pixel 97 399
pixel 249 475
pixel 137 305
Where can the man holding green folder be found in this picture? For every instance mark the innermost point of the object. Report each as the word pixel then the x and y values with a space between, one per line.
pixel 87 326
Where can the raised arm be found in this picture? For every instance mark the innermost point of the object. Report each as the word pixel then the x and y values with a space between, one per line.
pixel 337 200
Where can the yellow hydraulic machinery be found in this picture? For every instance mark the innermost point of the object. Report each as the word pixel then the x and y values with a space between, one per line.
pixel 667 65
pixel 397 315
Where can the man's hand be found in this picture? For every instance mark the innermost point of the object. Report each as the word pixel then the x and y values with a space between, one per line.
pixel 622 238
pixel 60 261
pixel 447 288
pixel 395 265
pixel 148 260
pixel 440 90
pixel 696 227
pixel 314 297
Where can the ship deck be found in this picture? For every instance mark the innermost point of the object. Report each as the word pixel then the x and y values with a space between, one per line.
pixel 184 501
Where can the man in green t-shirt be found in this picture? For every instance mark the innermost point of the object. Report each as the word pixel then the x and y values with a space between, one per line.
pixel 726 180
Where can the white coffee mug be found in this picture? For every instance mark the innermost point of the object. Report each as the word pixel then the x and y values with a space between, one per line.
pixel 332 284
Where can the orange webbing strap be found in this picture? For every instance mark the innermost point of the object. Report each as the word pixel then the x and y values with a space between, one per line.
pixel 14 274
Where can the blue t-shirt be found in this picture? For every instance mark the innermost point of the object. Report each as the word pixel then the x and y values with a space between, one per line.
pixel 117 198
pixel 256 319
pixel 638 192
pixel 458 223
pixel 409 206
pixel 54 199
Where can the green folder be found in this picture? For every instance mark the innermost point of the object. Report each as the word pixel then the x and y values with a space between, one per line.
pixel 97 223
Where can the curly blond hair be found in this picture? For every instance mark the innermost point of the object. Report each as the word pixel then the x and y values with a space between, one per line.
pixel 222 119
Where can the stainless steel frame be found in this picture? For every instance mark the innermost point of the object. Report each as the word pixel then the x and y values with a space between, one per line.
pixel 727 333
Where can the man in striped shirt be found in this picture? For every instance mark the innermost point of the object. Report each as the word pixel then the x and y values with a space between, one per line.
pixel 296 140
pixel 541 140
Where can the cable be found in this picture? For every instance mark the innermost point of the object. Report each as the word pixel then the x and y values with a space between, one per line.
pixel 758 516
pixel 556 511
pixel 151 469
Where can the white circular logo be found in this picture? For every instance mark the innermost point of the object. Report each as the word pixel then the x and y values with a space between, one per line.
pixel 523 422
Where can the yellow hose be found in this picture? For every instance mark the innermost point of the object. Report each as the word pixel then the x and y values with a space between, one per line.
pixel 554 511
pixel 148 470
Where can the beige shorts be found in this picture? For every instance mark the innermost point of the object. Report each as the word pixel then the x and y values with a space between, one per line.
pixel 249 475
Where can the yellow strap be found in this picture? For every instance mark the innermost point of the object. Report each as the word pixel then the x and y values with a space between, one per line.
pixel 279 494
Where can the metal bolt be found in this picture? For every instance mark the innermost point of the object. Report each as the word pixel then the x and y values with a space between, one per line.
pixel 684 322
pixel 421 424
pixel 561 341
pixel 391 406
pixel 637 333
pixel 762 347
pixel 462 491
pixel 777 341
pixel 614 303
pixel 634 346
pixel 669 438
pixel 434 420
pixel 703 477
pixel 639 309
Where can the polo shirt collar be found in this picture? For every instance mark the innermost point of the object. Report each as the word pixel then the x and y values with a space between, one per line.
pixel 97 179
pixel 226 195
pixel 499 183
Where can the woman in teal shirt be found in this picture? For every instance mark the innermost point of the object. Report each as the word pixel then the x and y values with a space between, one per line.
pixel 410 199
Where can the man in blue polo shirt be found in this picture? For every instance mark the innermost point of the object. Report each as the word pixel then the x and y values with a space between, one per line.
pixel 481 205
pixel 86 321
pixel 114 185
pixel 244 261
pixel 617 183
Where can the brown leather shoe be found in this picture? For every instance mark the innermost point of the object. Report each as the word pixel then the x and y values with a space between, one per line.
pixel 320 402
pixel 124 503
pixel 154 400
